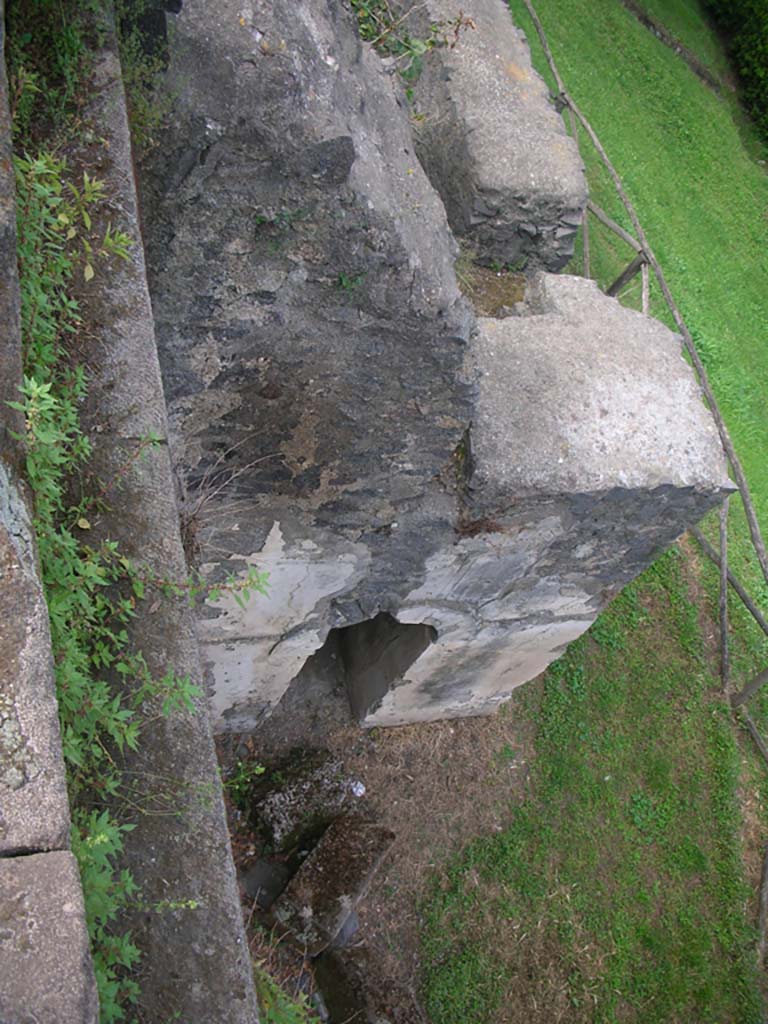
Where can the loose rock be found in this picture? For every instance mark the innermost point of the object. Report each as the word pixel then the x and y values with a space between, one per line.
pixel 332 880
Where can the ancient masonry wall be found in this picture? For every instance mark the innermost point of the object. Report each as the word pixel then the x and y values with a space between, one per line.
pixel 442 502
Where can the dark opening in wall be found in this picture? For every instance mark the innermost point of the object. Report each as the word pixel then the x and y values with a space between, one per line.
pixel 375 654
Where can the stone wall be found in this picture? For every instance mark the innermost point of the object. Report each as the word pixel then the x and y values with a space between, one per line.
pixel 187 920
pixel 186 916
pixel 45 967
pixel 442 501
pixel 341 418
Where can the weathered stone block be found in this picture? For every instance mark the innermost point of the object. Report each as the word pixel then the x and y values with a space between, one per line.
pixel 310 329
pixel 189 927
pixel 331 881
pixel 311 789
pixel 34 813
pixel 46 974
pixel 442 515
pixel 590 452
pixel 490 139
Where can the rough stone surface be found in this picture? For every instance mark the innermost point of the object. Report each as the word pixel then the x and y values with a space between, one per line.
pixel 622 408
pixel 336 421
pixel 264 881
pixel 590 452
pixel 331 881
pixel 34 811
pixel 195 964
pixel 310 329
pixel 300 797
pixel 46 975
pixel 490 139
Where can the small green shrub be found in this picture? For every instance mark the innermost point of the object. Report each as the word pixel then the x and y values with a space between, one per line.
pixel 48 59
pixel 388 32
pixel 97 842
pixel 142 65
pixel 275 1005
pixel 239 782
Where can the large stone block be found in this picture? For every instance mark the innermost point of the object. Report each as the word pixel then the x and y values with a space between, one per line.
pixel 590 452
pixel 188 924
pixel 490 139
pixel 332 881
pixel 46 974
pixel 310 329
pixel 34 814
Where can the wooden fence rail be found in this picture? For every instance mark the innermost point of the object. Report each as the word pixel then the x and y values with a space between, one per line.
pixel 645 261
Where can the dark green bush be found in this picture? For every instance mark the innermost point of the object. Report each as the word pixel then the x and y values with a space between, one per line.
pixel 746 24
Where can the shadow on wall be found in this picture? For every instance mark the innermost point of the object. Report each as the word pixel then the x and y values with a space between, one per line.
pixel 374 655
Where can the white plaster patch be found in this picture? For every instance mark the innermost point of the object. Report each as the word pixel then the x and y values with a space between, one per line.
pixel 253 653
pixel 537 596
pixel 477 569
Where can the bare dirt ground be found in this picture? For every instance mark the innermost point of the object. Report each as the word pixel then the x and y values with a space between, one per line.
pixel 437 786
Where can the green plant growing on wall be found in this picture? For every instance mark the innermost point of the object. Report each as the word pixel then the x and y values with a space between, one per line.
pixel 87 624
pixel 91 588
pixel 240 781
pixel 47 60
pixel 142 65
pixel 388 32
pixel 276 1006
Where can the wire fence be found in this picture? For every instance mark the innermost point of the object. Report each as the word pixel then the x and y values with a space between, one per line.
pixel 644 261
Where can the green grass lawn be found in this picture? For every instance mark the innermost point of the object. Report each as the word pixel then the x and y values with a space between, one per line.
pixel 618 894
